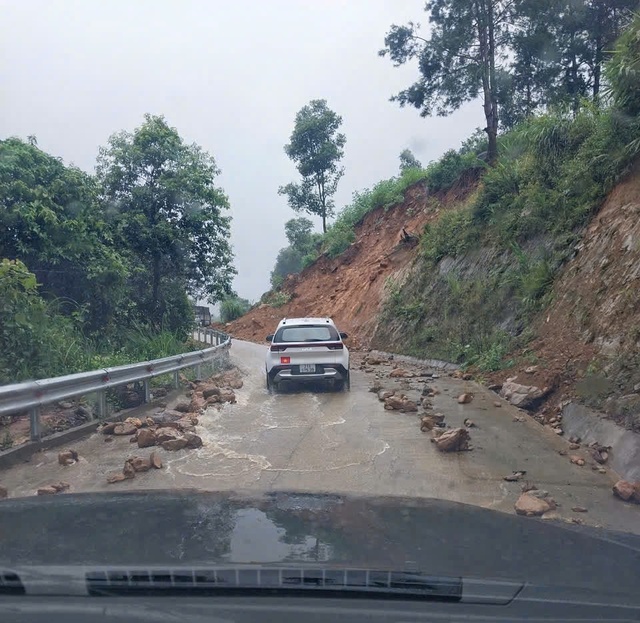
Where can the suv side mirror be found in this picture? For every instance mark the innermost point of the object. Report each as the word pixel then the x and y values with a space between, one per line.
pixel 344 336
pixel 269 338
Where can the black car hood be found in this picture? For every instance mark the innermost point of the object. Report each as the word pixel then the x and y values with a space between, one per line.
pixel 194 528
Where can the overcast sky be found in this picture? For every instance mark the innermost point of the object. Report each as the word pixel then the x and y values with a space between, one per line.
pixel 230 76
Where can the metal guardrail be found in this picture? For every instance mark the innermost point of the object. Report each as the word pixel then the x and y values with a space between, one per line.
pixel 33 395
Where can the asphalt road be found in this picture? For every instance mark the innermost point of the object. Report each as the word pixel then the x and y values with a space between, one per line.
pixel 346 442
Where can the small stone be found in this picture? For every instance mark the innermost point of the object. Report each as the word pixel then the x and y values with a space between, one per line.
pixel 515 476
pixel 155 460
pixel 531 370
pixel 135 421
pixel 146 438
pixel 454 440
pixel 108 439
pixel 128 470
pixel 601 470
pixel 497 404
pixel 400 373
pixel 116 477
pixel 150 421
pixel 49 490
pixel 140 464
pixel 67 457
pixel 159 392
pixel 126 428
pixel 627 491
pixel 464 399
pixel 469 423
pixel 531 506
pixel 579 509
pixel 577 460
pixel 193 440
pixel 173 445
pixel 108 428
pixel 383 394
pixel 574 446
pixel 4 492
pixel 211 391
pixel 166 434
pixel 183 407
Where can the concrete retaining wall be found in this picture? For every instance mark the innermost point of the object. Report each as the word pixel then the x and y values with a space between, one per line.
pixel 589 425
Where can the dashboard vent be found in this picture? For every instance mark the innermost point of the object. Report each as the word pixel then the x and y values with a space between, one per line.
pixel 263 580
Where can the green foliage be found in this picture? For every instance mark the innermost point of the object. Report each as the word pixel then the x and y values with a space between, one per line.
pixel 276 298
pixel 449 236
pixel 233 307
pixel 444 173
pixel 408 161
pixel 166 211
pixel 623 71
pixel 316 147
pixel 303 243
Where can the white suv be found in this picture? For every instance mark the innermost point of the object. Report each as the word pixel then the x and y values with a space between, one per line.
pixel 307 349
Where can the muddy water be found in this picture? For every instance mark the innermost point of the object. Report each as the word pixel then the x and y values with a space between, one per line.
pixel 346 443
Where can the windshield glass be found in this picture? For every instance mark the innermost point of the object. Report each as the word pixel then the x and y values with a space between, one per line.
pixel 307 333
pixel 365 249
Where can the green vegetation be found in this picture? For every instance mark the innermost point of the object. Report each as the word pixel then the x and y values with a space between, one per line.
pixel 98 270
pixel 489 265
pixel 302 245
pixel 316 147
pixel 233 307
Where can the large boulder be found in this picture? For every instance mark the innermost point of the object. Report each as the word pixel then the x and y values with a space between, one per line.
pixel 400 403
pixel 166 434
pixel 523 396
pixel 126 428
pixel 454 440
pixel 532 506
pixel 140 464
pixel 627 491
pixel 67 457
pixel 146 438
pixel 173 445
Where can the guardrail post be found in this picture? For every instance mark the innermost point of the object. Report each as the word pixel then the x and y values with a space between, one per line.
pixel 199 371
pixel 176 379
pixel 147 390
pixel 102 403
pixel 34 416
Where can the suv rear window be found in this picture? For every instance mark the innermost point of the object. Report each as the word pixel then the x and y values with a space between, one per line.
pixel 307 333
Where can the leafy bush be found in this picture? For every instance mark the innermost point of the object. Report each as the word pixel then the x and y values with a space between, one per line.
pixel 450 235
pixel 444 173
pixel 623 71
pixel 233 307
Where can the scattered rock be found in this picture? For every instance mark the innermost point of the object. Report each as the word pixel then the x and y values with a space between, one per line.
pixel 400 373
pixel 135 421
pixel 146 438
pixel 210 391
pixel 155 460
pixel 528 486
pixel 193 440
pixel 467 377
pixel 454 440
pixel 150 421
pixel 627 491
pixel 53 488
pixel 574 446
pixel 116 477
pixel 166 434
pixel 579 509
pixel 376 387
pixel 65 404
pixel 427 423
pixel 497 404
pixel 464 399
pixel 159 392
pixel 531 506
pixel 67 457
pixel 83 412
pixel 126 428
pixel 600 453
pixel 400 403
pixel 515 476
pixel 228 395
pixel 574 439
pixel 140 464
pixel 183 407
pixel 531 370
pixel 128 470
pixel 108 428
pixel 373 360
pixel 601 470
pixel 3 492
pixel 236 383
pixel 523 396
pixel 517 418
pixel 577 460
pixel 495 387
pixel 133 438
pixel 172 445
pixel 108 439
pixel 384 394
pixel 469 423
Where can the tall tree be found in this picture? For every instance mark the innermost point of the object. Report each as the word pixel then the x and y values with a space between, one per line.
pixel 458 62
pixel 167 210
pixel 316 147
pixel 51 221
pixel 408 161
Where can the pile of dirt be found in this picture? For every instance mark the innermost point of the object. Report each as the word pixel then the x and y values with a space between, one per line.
pixel 350 288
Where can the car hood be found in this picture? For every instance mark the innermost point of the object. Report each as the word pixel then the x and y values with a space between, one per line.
pixel 194 528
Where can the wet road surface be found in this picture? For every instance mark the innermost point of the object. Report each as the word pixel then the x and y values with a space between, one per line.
pixel 346 442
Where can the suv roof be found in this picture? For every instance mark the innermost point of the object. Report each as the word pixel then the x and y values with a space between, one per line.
pixel 303 321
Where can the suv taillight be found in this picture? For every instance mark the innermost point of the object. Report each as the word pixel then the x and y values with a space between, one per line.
pixel 335 346
pixel 276 349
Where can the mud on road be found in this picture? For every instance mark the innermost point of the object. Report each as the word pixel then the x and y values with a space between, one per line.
pixel 347 442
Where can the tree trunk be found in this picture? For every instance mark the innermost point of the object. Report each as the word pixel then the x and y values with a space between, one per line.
pixel 155 289
pixel 324 222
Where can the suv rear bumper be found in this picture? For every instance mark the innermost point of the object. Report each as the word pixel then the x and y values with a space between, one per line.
pixel 330 372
